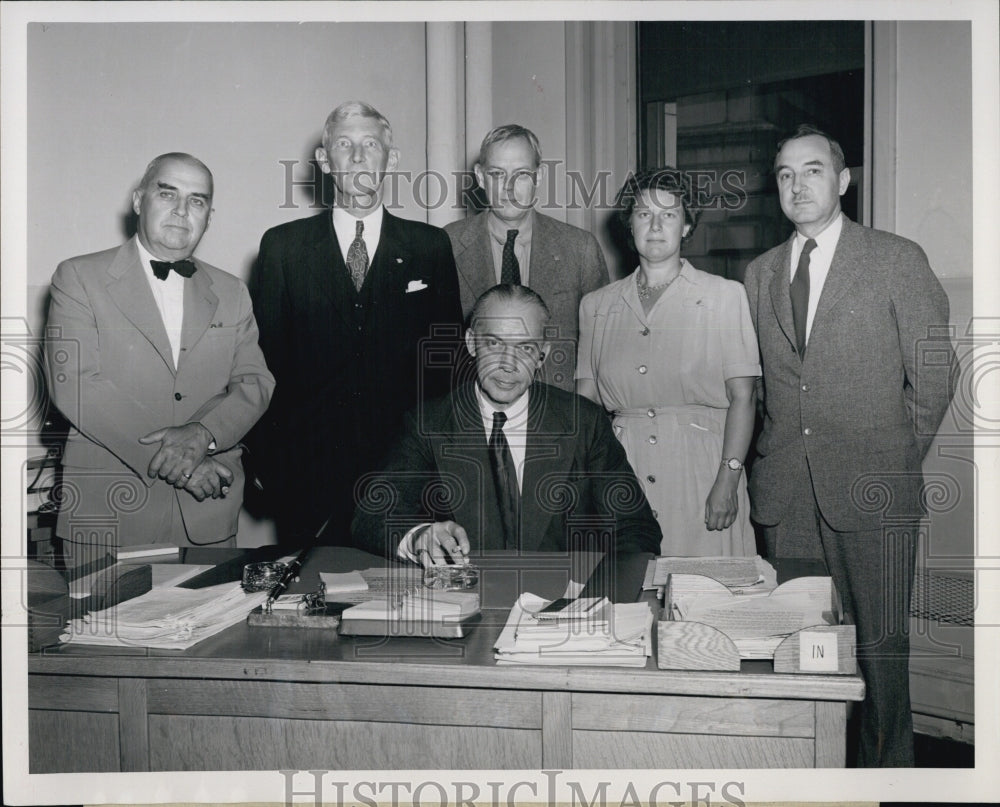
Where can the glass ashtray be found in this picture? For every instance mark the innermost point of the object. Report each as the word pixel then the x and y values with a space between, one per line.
pixel 452 578
pixel 262 576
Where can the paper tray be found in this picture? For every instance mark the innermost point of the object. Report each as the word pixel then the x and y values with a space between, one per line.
pixel 820 649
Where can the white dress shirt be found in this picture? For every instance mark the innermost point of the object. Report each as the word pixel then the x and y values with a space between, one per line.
pixel 169 297
pixel 344 225
pixel 515 429
pixel 819 264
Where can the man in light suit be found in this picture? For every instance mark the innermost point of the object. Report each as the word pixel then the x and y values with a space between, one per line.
pixel 511 242
pixel 857 363
pixel 352 304
pixel 152 356
pixel 505 463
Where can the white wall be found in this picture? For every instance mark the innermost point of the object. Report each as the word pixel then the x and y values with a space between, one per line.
pixel 529 88
pixel 933 206
pixel 106 98
pixel 934 142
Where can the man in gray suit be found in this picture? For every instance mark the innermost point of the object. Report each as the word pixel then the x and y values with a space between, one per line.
pixel 853 332
pixel 152 356
pixel 511 242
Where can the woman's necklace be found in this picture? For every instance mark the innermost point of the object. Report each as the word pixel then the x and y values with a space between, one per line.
pixel 646 291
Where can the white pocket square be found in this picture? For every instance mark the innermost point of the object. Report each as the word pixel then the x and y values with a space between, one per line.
pixel 415 285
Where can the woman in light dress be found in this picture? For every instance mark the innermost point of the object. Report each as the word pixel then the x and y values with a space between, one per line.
pixel 671 352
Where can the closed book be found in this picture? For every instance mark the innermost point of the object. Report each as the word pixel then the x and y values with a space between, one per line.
pixel 146 551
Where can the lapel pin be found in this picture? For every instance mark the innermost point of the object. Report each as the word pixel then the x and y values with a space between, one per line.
pixel 399 260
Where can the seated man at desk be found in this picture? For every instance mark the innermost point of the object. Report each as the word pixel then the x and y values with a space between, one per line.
pixel 504 462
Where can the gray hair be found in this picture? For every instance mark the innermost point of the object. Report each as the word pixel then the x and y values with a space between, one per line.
pixel 350 109
pixel 508 293
pixel 157 162
pixel 807 130
pixel 510 131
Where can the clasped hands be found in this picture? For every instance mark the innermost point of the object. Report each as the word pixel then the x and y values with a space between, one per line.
pixel 182 461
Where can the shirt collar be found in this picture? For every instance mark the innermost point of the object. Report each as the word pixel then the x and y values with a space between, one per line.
pixel 146 256
pixel 826 241
pixel 344 220
pixel 517 412
pixel 498 228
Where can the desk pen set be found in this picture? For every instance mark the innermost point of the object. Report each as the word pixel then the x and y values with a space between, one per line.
pixel 438 603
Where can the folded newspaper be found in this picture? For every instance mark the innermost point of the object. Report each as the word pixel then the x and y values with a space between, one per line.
pixel 166 618
pixel 602 634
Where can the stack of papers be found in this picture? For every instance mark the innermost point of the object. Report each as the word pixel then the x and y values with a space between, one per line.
pixel 739 574
pixel 596 633
pixel 757 625
pixel 167 618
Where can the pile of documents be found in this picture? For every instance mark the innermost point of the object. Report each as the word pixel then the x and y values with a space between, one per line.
pixel 744 575
pixel 756 623
pixel 587 632
pixel 166 618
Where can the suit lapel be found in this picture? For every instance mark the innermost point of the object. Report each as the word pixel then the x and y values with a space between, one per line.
pixel 392 256
pixel 781 300
pixel 545 271
pixel 475 258
pixel 547 459
pixel 200 305
pixel 327 270
pixel 846 266
pixel 129 288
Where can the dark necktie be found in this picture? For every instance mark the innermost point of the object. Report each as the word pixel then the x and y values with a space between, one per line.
pixel 799 291
pixel 162 268
pixel 357 256
pixel 510 272
pixel 505 481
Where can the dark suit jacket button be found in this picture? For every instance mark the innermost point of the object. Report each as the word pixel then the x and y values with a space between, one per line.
pixel 177 396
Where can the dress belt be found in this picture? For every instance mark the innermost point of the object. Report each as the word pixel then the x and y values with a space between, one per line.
pixel 644 411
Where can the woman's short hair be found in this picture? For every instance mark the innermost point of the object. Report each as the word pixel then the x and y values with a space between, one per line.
pixel 668 179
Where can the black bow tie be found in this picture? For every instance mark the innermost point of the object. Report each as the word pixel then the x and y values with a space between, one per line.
pixel 162 268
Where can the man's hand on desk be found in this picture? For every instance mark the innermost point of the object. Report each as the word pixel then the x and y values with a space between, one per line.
pixel 435 543
pixel 211 479
pixel 182 449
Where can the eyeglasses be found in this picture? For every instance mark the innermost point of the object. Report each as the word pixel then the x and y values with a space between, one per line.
pixel 521 179
pixel 494 344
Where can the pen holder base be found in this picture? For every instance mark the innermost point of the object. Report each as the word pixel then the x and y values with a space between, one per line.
pixel 258 618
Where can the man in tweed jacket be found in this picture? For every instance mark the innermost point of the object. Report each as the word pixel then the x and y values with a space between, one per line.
pixel 851 404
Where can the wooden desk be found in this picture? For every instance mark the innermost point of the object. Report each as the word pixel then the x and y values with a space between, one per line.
pixel 265 699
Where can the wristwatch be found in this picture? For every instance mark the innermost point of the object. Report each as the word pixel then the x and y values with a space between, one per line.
pixel 733 464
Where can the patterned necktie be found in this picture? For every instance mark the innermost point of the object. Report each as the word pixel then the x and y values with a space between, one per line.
pixel 505 481
pixel 510 271
pixel 799 292
pixel 161 269
pixel 357 256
